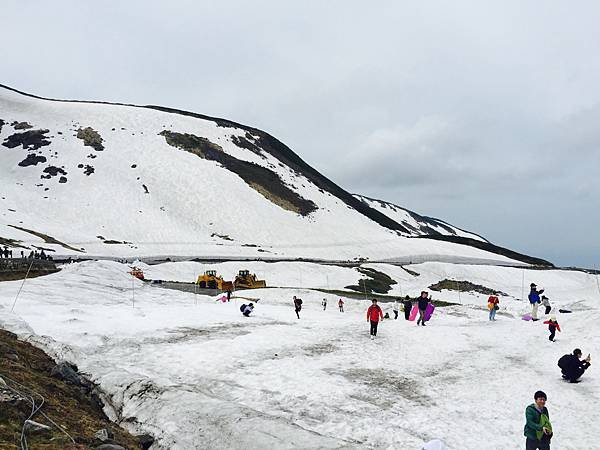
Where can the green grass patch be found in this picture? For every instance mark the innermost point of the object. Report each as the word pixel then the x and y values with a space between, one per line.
pixel 377 282
pixel 464 286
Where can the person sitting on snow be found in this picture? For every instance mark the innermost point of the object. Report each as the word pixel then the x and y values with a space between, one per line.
pixel 572 367
pixel 552 327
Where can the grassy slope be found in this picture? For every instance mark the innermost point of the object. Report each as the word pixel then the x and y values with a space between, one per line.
pixel 65 404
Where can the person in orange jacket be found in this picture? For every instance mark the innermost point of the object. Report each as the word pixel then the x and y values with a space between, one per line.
pixel 552 326
pixel 374 313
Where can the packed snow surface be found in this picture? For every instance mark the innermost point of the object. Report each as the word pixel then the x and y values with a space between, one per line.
pixel 195 373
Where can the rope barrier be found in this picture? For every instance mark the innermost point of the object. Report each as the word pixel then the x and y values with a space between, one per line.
pixel 35 409
pixel 17 296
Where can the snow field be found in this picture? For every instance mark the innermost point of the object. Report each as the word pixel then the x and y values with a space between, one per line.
pixel 197 374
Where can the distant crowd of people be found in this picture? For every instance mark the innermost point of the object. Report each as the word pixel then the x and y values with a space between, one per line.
pixel 7 253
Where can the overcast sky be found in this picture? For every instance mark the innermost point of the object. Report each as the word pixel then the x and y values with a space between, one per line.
pixel 483 114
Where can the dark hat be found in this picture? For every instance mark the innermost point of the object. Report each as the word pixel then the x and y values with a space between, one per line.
pixel 532 285
pixel 407 298
pixel 577 351
pixel 540 394
pixel 543 296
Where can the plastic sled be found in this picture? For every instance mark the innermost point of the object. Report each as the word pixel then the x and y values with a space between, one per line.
pixel 428 312
pixel 413 313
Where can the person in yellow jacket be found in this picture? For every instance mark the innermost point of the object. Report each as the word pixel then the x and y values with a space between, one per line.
pixel 493 302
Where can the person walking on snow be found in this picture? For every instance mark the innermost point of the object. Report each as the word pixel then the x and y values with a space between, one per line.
pixel 422 303
pixel 552 327
pixel 407 307
pixel 396 308
pixel 493 302
pixel 341 305
pixel 374 313
pixel 324 303
pixel 538 429
pixel 297 306
pixel 546 303
pixel 534 299
pixel 572 367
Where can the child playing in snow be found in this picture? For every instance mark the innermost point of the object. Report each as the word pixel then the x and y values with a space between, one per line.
pixel 552 326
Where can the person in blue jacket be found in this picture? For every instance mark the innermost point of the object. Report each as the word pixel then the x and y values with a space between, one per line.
pixel 534 299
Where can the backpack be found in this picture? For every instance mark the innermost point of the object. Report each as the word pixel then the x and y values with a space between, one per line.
pixel 242 307
pixel 563 362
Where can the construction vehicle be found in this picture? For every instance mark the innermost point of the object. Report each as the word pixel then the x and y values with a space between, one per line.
pixel 245 280
pixel 137 272
pixel 210 280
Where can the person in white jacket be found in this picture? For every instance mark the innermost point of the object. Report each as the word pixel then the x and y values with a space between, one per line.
pixel 546 303
pixel 396 308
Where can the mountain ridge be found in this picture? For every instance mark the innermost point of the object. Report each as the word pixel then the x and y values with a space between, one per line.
pixel 326 221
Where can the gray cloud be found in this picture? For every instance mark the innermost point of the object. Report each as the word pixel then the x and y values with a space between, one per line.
pixel 481 114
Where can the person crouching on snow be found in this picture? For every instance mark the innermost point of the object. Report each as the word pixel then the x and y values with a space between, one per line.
pixel 248 309
pixel 493 302
pixel 552 327
pixel 572 367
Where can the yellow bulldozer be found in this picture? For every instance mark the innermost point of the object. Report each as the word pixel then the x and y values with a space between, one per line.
pixel 245 280
pixel 210 280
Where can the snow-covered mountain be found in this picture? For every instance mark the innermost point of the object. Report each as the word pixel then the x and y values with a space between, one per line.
pixel 102 179
pixel 416 224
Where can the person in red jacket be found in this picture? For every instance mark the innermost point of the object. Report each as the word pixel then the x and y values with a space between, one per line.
pixel 552 327
pixel 374 313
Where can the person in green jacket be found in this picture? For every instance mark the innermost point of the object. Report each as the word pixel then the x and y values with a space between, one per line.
pixel 538 429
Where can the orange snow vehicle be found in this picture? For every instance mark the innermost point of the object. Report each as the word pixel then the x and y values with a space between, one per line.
pixel 137 272
pixel 210 280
